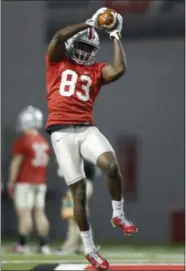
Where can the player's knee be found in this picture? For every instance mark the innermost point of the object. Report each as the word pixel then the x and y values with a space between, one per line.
pixel 41 218
pixel 42 223
pixel 25 222
pixel 38 215
pixel 112 169
pixel 29 222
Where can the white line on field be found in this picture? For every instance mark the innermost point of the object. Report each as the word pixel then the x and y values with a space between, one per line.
pixel 143 255
pixel 68 261
pixel 116 254
pixel 34 261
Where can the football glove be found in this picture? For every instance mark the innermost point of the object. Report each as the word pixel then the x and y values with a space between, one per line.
pixel 93 22
pixel 116 33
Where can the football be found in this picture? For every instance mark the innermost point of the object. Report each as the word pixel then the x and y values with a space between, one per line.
pixel 108 19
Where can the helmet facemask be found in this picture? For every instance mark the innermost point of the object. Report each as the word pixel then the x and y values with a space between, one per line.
pixel 84 53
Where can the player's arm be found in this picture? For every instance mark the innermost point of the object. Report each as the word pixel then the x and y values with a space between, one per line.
pixel 56 48
pixel 14 168
pixel 112 72
pixel 13 172
pixel 18 152
pixel 115 70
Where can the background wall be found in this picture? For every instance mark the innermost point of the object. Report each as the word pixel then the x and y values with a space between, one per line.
pixel 148 102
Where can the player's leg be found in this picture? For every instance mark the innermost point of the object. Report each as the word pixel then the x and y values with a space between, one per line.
pixel 89 192
pixel 109 165
pixel 66 147
pixel 23 198
pixel 78 191
pixel 98 150
pixel 41 220
pixel 71 242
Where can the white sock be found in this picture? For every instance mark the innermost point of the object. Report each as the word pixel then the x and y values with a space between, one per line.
pixel 87 241
pixel 117 207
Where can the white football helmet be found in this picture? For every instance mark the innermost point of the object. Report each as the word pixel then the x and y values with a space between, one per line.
pixel 83 47
pixel 29 118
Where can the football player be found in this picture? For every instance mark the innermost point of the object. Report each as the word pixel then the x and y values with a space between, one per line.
pixel 73 243
pixel 73 80
pixel 27 180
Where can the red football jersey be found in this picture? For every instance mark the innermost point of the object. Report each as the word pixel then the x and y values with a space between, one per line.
pixel 71 91
pixel 35 150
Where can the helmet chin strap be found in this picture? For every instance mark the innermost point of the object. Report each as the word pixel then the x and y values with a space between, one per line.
pixel 80 61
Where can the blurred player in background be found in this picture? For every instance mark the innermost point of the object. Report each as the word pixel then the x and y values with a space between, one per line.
pixel 73 242
pixel 73 82
pixel 27 180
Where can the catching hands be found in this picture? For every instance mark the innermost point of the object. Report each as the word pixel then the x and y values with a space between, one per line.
pixel 116 33
pixel 94 20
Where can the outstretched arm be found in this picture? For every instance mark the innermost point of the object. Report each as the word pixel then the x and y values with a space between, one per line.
pixel 112 72
pixel 56 48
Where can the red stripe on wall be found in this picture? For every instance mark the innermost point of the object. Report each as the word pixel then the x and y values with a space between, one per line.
pixel 127 152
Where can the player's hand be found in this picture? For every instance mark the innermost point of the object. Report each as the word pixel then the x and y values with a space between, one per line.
pixel 10 189
pixel 116 33
pixel 94 20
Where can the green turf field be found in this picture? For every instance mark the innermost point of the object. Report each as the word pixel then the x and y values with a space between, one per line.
pixel 115 254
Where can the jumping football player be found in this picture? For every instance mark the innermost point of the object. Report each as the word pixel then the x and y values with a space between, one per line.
pixel 73 82
pixel 27 180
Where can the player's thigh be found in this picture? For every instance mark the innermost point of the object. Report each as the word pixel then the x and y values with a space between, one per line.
pixel 68 156
pixel 40 194
pixel 23 196
pixel 31 197
pixel 94 145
